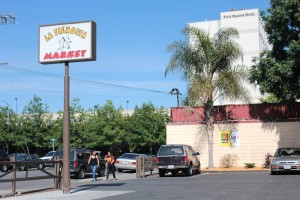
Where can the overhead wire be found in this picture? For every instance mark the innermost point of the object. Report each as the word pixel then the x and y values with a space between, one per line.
pixel 42 74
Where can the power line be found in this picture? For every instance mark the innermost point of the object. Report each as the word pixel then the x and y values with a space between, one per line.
pixel 42 74
pixel 78 93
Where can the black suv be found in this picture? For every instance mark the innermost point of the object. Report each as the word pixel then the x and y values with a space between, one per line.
pixel 4 157
pixel 79 162
pixel 177 157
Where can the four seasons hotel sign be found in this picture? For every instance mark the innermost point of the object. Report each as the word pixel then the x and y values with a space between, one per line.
pixel 70 42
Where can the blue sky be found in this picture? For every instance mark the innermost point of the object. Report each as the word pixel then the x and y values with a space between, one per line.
pixel 132 37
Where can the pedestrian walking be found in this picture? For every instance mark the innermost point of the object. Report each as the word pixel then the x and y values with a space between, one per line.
pixel 110 166
pixel 94 162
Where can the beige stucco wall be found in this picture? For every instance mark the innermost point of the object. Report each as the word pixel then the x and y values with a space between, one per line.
pixel 256 140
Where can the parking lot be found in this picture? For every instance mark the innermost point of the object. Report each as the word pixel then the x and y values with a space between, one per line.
pixel 207 186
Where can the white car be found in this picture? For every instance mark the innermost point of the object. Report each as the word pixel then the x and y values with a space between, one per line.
pixel 48 157
pixel 128 161
pixel 286 160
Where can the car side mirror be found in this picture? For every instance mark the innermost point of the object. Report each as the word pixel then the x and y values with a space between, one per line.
pixel 196 153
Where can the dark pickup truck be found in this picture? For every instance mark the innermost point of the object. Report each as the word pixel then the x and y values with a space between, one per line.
pixel 177 157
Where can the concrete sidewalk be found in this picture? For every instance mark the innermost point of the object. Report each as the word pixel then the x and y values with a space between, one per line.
pixel 85 189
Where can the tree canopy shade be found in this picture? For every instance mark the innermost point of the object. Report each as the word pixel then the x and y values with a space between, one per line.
pixel 278 71
pixel 101 128
pixel 207 63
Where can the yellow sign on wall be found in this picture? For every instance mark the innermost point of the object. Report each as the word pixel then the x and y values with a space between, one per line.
pixel 229 138
pixel 224 138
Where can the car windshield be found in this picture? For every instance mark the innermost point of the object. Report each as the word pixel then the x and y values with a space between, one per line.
pixel 171 150
pixel 129 156
pixel 20 158
pixel 288 152
pixel 50 154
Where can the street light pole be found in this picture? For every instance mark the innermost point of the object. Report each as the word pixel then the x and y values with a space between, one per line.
pixel 53 140
pixel 16 105
pixel 175 91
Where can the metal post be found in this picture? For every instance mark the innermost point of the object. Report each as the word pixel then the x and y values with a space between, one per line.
pixel 66 132
pixel 14 176
pixel 143 162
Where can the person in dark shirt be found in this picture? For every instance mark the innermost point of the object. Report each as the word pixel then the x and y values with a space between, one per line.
pixel 110 166
pixel 94 162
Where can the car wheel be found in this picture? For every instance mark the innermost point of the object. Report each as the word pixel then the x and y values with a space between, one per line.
pixel 198 171
pixel 120 170
pixel 4 168
pixel 40 166
pixel 161 173
pixel 190 171
pixel 81 173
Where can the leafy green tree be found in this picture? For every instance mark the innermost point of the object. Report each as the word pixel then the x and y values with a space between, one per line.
pixel 207 64
pixel 147 128
pixel 269 99
pixel 35 124
pixel 57 129
pixel 78 118
pixel 278 71
pixel 106 130
pixel 7 127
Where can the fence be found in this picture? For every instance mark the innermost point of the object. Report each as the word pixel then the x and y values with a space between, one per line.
pixel 35 164
pixel 144 165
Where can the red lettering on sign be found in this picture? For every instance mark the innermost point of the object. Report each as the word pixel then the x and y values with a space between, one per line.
pixel 48 56
pixel 55 55
pixel 64 54
pixel 70 54
pixel 82 53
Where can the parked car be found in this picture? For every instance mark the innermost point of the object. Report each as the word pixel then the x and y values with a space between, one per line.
pixel 128 161
pixel 28 157
pixel 15 154
pixel 4 157
pixel 79 162
pixel 285 160
pixel 177 157
pixel 48 157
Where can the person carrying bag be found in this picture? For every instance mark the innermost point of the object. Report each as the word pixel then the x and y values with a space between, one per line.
pixel 110 166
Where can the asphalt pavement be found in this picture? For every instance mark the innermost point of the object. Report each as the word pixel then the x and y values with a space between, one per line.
pixel 83 189
pixel 258 185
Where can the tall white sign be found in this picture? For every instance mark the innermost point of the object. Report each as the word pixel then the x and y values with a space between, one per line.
pixel 69 42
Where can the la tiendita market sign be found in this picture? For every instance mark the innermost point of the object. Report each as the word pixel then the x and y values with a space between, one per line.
pixel 69 42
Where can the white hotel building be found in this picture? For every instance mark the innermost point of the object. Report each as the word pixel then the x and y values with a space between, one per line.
pixel 253 40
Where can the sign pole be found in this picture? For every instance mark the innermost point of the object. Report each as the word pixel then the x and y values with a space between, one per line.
pixel 66 132
pixel 53 141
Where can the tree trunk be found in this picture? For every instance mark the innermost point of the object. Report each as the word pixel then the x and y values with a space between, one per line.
pixel 209 115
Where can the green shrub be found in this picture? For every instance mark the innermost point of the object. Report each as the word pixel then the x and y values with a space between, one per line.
pixel 249 165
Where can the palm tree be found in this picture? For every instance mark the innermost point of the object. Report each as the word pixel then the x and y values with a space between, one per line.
pixel 206 62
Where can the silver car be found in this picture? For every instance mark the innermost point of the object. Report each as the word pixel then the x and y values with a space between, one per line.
pixel 128 161
pixel 285 160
